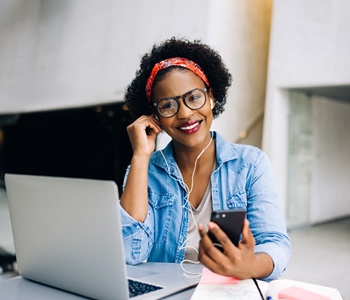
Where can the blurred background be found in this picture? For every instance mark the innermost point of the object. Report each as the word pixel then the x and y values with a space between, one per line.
pixel 64 67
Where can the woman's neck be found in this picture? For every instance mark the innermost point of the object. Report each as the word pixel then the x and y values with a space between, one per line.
pixel 186 157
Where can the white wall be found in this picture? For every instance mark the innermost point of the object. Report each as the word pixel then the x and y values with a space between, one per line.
pixel 330 196
pixel 309 47
pixel 57 54
pixel 241 29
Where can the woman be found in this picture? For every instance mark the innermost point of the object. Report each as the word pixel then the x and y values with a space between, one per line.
pixel 180 87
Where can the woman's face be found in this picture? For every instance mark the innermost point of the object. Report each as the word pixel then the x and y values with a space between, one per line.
pixel 189 128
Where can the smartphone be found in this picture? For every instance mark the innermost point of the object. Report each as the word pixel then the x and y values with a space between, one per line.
pixel 231 222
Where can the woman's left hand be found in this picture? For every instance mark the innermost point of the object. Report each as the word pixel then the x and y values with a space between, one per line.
pixel 240 262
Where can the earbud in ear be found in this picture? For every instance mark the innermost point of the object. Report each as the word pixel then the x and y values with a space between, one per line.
pixel 211 104
pixel 156 117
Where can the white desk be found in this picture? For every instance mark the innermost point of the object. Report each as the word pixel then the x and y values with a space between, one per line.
pixel 18 288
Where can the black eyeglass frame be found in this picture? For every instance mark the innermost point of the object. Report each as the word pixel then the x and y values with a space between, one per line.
pixel 176 99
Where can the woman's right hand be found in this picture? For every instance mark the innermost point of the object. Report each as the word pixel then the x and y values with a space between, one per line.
pixel 142 134
pixel 135 195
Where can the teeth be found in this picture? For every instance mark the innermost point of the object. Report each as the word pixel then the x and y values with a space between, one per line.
pixel 189 127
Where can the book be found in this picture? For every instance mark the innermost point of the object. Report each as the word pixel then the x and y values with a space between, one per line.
pixel 218 287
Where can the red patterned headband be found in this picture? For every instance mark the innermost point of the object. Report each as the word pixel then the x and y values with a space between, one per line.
pixel 170 62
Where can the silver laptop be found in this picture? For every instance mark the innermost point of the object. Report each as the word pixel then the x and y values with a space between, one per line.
pixel 67 234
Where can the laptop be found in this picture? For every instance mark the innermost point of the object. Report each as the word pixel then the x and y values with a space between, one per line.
pixel 67 234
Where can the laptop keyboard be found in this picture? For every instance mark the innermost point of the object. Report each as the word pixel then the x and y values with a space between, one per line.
pixel 137 288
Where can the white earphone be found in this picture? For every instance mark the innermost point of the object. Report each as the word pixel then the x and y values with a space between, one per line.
pixel 211 103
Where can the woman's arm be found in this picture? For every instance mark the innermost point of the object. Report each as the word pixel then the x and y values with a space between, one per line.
pixel 265 247
pixel 134 199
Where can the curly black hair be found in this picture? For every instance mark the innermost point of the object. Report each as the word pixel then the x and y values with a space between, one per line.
pixel 210 61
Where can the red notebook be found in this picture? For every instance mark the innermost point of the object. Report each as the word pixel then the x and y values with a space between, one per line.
pixel 297 293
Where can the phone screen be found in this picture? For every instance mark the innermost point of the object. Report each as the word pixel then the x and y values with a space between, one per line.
pixel 231 222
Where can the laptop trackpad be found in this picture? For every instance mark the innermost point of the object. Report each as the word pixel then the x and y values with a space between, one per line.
pixel 137 272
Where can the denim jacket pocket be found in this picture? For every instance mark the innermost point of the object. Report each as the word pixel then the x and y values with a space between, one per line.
pixel 162 204
pixel 160 200
pixel 237 201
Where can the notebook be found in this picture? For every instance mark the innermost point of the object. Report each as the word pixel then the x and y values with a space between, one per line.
pixel 67 234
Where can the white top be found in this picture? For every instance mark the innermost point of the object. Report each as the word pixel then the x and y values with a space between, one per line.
pixel 199 215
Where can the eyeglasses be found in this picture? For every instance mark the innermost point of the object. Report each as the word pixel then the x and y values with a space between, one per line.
pixel 169 107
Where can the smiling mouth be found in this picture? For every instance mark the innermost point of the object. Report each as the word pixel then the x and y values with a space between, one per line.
pixel 190 128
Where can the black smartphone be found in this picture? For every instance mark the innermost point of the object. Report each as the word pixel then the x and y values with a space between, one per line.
pixel 231 222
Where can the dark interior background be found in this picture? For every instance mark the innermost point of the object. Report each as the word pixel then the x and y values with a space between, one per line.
pixel 89 142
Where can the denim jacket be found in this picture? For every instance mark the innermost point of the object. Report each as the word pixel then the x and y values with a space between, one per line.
pixel 243 179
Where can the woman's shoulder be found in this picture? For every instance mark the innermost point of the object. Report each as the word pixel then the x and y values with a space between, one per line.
pixel 245 157
pixel 248 155
pixel 247 150
pixel 233 151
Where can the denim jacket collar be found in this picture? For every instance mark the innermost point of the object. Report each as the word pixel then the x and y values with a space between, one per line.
pixel 225 152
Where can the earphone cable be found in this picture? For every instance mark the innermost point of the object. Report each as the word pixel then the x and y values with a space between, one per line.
pixel 259 290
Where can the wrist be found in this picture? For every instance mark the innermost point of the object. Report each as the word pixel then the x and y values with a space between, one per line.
pixel 140 157
pixel 262 265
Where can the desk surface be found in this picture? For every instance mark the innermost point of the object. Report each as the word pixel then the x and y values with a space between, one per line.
pixel 19 288
pixel 23 289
